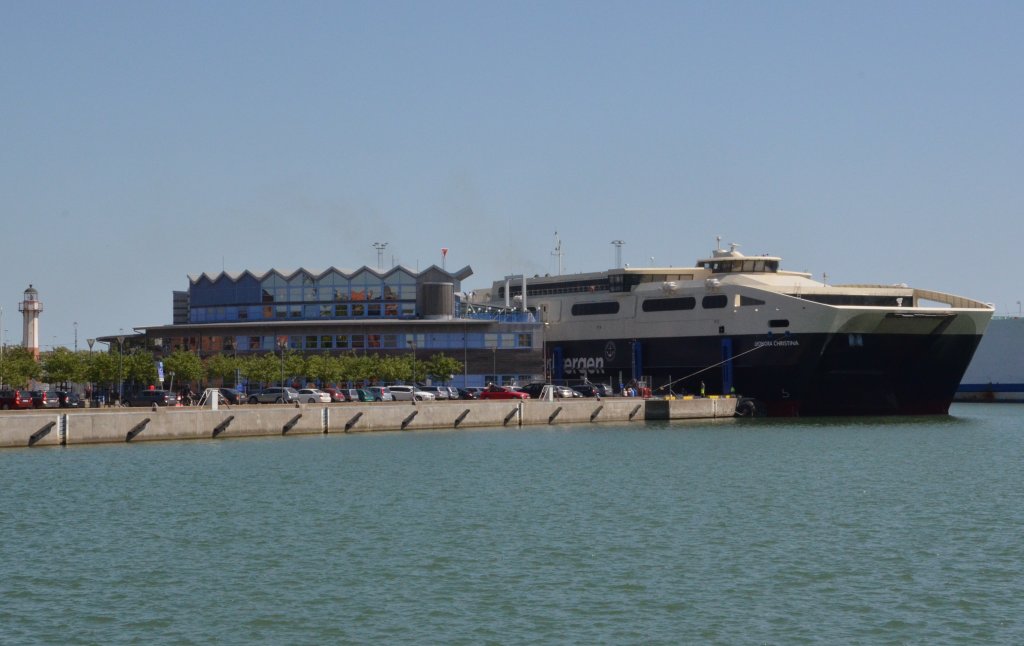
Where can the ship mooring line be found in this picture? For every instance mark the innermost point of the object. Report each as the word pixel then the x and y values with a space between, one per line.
pixel 694 374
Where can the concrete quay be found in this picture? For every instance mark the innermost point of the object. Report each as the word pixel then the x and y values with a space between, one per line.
pixel 64 427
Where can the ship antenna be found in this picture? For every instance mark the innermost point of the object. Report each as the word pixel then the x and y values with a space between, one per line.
pixel 558 252
pixel 718 243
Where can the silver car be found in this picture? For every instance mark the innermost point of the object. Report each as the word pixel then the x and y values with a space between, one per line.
pixel 274 395
pixel 409 393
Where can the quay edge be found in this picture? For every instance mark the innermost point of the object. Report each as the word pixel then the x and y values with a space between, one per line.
pixel 96 426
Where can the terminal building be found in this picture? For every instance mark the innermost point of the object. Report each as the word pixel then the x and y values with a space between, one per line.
pixel 399 311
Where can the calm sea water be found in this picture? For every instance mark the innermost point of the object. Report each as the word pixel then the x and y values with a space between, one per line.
pixel 854 531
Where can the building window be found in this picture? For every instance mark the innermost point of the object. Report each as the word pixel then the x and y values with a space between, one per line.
pixel 312 343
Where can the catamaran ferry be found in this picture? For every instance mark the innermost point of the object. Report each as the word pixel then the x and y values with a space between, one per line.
pixel 783 342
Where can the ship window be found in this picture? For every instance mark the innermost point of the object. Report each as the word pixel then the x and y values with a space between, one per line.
pixel 588 309
pixel 669 304
pixel 747 300
pixel 778 323
pixel 716 301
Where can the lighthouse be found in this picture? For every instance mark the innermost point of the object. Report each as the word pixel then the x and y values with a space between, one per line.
pixel 30 309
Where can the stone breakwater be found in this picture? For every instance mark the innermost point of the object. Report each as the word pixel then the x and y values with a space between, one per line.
pixel 62 427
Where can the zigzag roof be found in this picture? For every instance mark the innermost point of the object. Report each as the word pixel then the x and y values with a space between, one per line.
pixel 461 274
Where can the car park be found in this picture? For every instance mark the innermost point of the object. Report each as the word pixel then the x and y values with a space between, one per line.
pixel 274 395
pixel 410 393
pixel 380 393
pixel 313 396
pixel 15 399
pixel 151 397
pixel 498 392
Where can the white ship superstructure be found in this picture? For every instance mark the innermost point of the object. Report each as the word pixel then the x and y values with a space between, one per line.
pixel 791 344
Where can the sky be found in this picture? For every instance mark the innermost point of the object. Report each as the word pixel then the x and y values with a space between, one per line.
pixel 143 142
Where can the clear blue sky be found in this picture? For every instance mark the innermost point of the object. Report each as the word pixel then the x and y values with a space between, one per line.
pixel 141 142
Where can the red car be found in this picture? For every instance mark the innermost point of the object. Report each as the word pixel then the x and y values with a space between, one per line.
pixel 497 392
pixel 16 399
pixel 337 395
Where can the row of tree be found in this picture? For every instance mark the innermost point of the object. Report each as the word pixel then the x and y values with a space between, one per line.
pixel 18 367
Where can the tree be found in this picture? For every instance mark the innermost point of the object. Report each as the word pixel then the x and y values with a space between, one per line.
pixel 186 366
pixel 392 369
pixel 222 367
pixel 18 365
pixel 62 366
pixel 261 369
pixel 294 366
pixel 139 368
pixel 441 367
pixel 102 368
pixel 324 368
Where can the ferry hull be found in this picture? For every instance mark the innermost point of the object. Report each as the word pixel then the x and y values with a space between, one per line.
pixel 807 374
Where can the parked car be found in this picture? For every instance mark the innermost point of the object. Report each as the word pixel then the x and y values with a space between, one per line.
pixel 469 393
pixel 497 392
pixel 593 390
pixel 274 395
pixel 231 395
pixel 14 399
pixel 337 394
pixel 381 393
pixel 453 392
pixel 351 394
pixel 150 397
pixel 54 397
pixel 410 393
pixel 313 396
pixel 38 398
pixel 439 392
pixel 533 389
pixel 566 392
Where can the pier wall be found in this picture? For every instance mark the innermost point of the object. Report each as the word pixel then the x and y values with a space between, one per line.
pixel 60 427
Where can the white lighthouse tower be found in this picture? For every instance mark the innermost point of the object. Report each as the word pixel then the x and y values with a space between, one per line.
pixel 30 309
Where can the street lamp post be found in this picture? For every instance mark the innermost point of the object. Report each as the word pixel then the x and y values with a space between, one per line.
pixel 412 344
pixel 544 351
pixel 120 366
pixel 281 345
